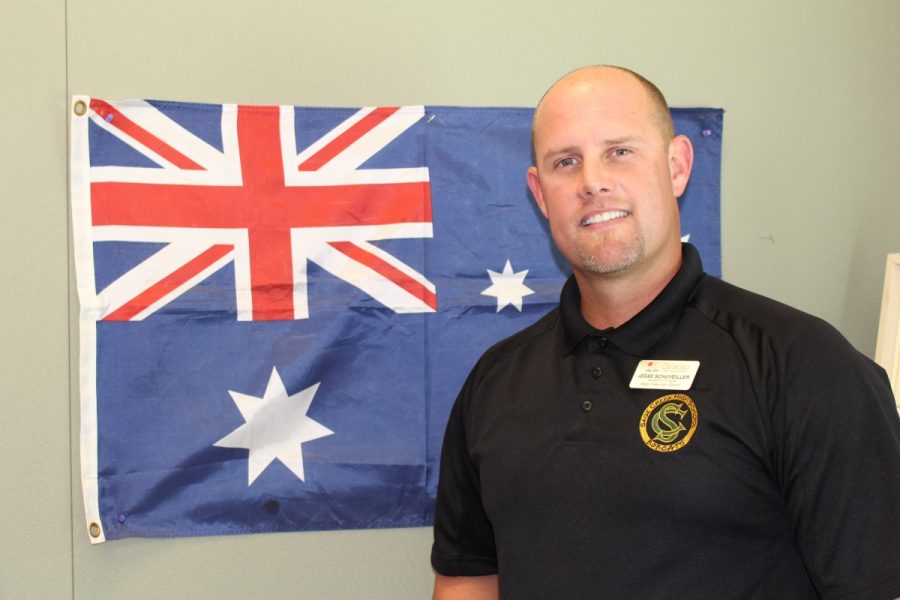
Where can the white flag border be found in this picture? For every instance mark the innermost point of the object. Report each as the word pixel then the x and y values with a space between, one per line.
pixel 80 192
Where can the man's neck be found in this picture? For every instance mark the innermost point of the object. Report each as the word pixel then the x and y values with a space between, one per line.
pixel 609 300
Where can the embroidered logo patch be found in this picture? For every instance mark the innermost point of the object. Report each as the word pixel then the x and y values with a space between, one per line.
pixel 668 423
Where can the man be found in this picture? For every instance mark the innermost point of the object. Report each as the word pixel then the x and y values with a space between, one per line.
pixel 660 434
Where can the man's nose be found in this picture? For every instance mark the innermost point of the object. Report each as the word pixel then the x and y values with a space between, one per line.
pixel 596 179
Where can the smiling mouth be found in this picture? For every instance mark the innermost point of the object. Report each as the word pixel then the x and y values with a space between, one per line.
pixel 605 216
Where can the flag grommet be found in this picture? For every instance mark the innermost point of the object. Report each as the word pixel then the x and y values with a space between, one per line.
pixel 80 108
pixel 94 530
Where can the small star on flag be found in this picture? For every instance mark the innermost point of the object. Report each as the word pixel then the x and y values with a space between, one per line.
pixel 508 287
pixel 276 427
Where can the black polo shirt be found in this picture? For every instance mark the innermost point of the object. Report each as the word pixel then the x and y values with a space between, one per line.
pixel 776 475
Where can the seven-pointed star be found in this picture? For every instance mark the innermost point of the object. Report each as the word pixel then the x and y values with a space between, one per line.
pixel 276 426
pixel 508 287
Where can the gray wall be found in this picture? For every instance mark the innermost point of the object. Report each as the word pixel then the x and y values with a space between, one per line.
pixel 809 205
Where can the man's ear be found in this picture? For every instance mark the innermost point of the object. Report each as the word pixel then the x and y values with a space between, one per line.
pixel 681 160
pixel 534 184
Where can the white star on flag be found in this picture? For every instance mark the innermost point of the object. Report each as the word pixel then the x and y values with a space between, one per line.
pixel 508 287
pixel 276 426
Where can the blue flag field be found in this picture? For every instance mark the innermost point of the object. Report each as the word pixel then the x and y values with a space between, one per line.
pixel 280 304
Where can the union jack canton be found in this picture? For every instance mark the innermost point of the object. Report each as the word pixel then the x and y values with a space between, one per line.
pixel 260 202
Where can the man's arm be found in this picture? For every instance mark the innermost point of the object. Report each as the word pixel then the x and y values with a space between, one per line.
pixel 466 588
pixel 840 475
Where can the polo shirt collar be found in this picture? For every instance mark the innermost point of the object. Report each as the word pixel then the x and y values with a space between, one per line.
pixel 646 329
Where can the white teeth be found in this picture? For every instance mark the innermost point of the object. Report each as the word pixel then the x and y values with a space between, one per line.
pixel 605 216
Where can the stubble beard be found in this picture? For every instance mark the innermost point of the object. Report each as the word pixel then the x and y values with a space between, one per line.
pixel 596 254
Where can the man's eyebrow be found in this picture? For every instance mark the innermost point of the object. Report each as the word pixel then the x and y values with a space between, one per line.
pixel 609 143
pixel 629 139
pixel 557 151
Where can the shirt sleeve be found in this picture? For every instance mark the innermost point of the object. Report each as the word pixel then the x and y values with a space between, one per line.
pixel 839 464
pixel 463 535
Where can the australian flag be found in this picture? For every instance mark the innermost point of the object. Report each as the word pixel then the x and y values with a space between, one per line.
pixel 279 304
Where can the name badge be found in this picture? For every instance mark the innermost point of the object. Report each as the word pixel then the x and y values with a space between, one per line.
pixel 664 375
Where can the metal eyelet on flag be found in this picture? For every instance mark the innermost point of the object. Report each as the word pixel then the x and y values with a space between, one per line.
pixel 94 530
pixel 80 108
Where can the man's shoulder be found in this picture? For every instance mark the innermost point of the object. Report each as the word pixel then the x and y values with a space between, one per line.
pixel 537 335
pixel 738 310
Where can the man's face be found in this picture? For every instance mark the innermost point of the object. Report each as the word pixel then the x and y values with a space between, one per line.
pixel 605 177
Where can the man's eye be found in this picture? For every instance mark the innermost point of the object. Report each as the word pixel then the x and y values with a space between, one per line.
pixel 621 152
pixel 566 162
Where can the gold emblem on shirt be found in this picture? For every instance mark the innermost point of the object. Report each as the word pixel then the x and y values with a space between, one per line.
pixel 668 423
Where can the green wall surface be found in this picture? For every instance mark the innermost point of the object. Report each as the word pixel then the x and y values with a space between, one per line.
pixel 810 205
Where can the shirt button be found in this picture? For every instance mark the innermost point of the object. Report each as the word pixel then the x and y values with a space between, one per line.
pixel 596 372
pixel 587 405
pixel 604 342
